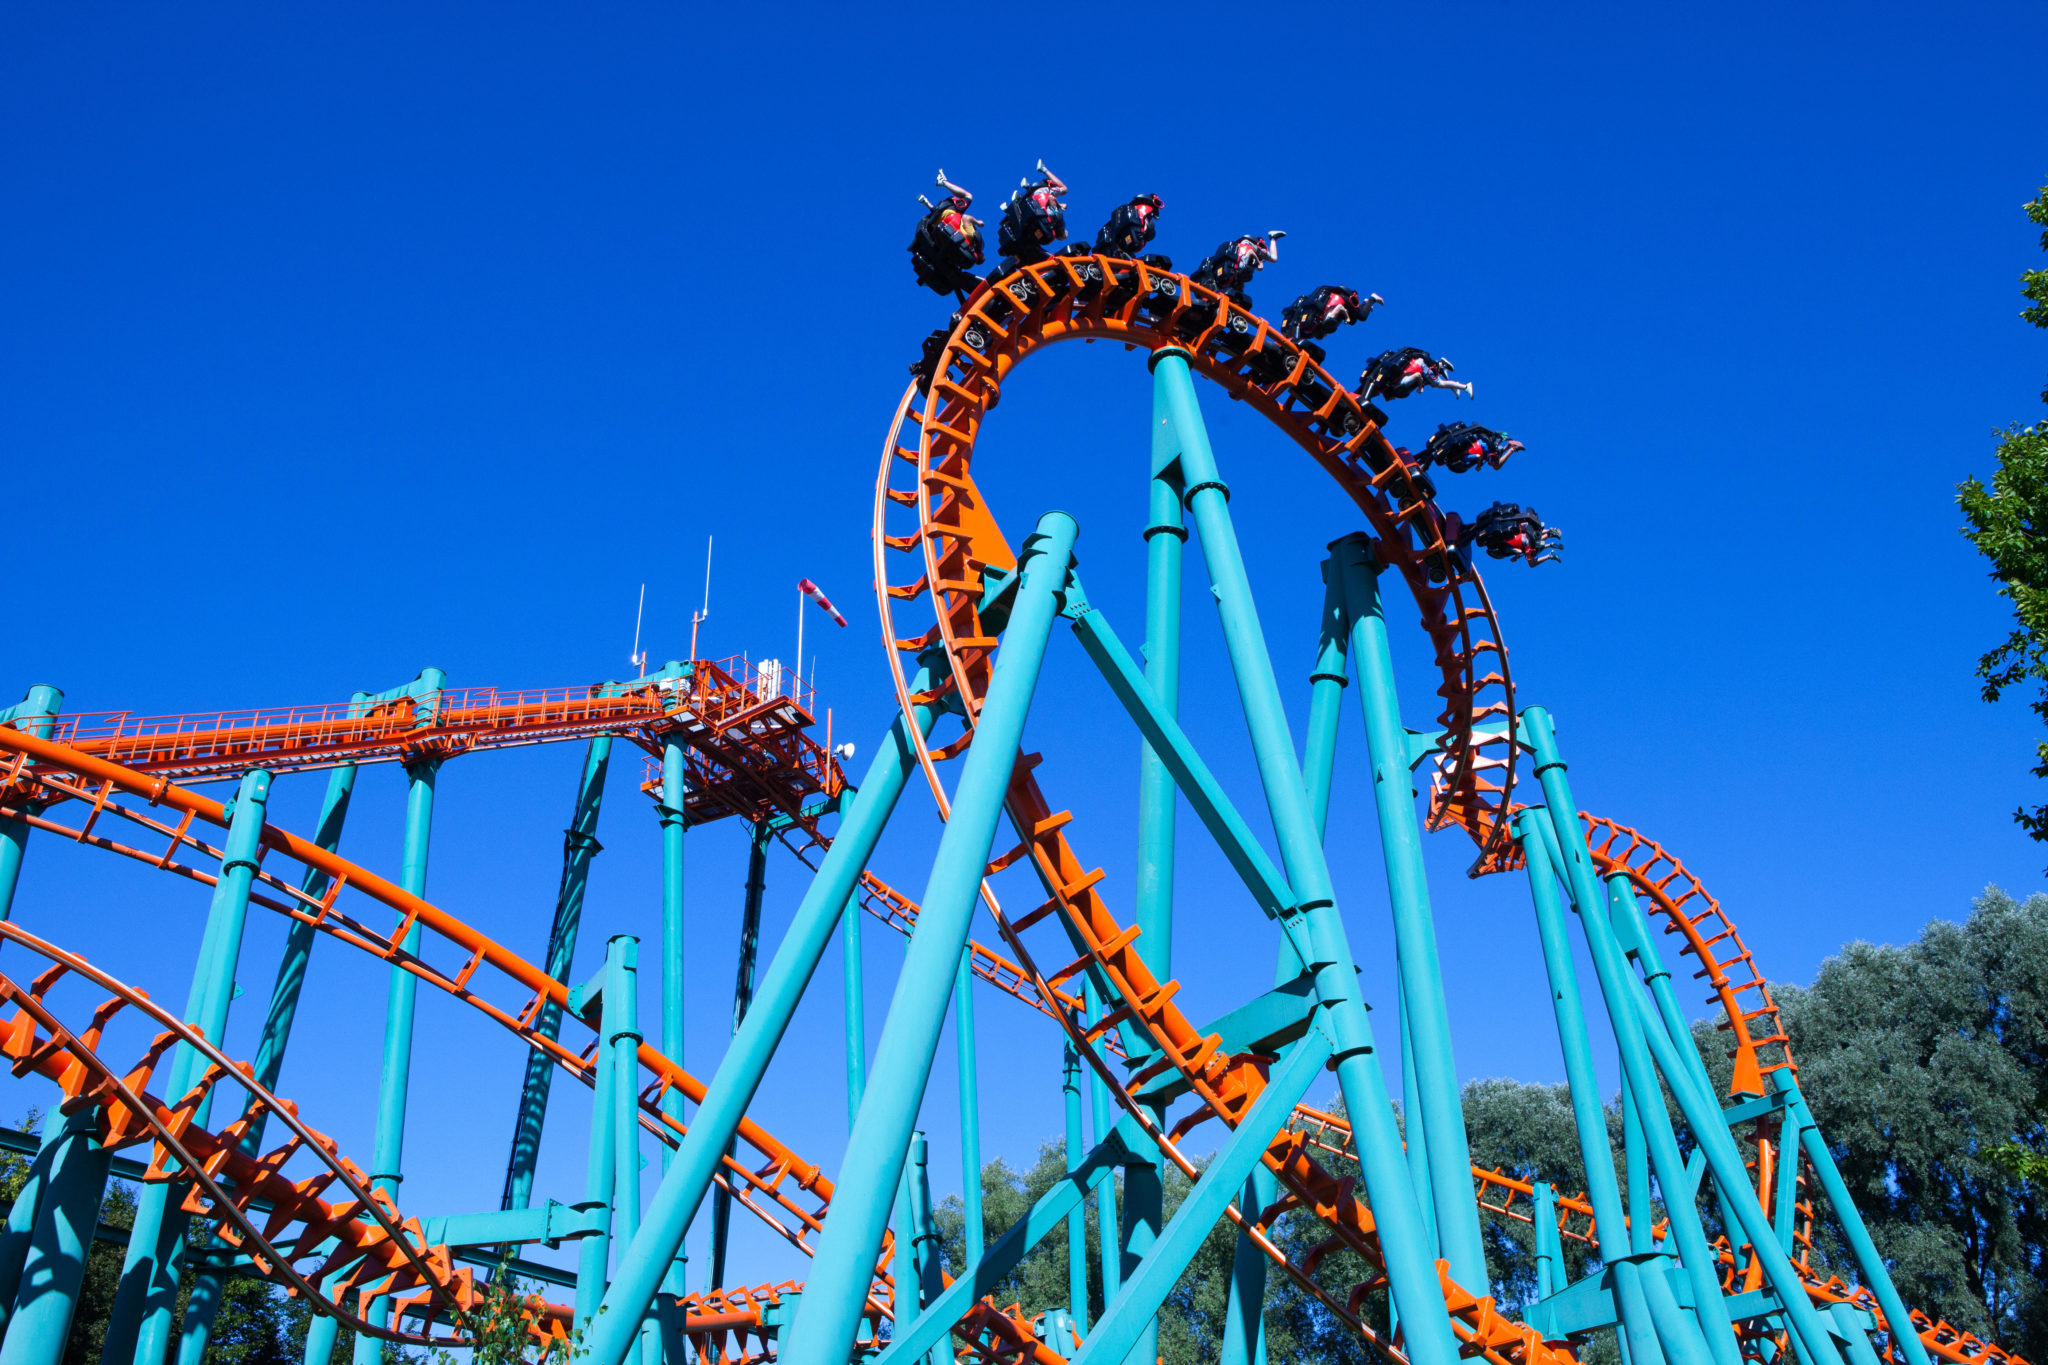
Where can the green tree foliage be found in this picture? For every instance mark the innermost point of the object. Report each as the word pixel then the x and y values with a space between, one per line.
pixel 1926 1067
pixel 2008 523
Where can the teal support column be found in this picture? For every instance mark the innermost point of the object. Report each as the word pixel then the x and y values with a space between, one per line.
pixel 196 1326
pixel 675 787
pixel 36 715
pixel 139 1327
pixel 1077 1217
pixel 322 1334
pixel 1550 1272
pixel 1636 1045
pixel 600 1172
pixel 1158 798
pixel 579 847
pixel 972 1232
pixel 1898 1319
pixel 1244 1324
pixel 1636 1163
pixel 643 1265
pixel 671 807
pixel 1850 1329
pixel 828 1318
pixel 1411 1269
pixel 1126 1318
pixel 394 1082
pixel 1638 1329
pixel 622 1039
pixel 40 1323
pixel 1415 1120
pixel 855 988
pixel 1424 1017
pixel 924 1237
pixel 742 1000
pixel 1104 1119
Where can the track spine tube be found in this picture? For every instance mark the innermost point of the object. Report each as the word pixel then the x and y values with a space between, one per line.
pixel 1411 1269
pixel 643 1264
pixel 1625 1008
pixel 579 848
pixel 149 1274
pixel 1603 1192
pixel 1424 1017
pixel 828 1318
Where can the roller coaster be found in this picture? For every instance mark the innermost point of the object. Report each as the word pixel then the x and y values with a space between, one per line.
pixel 1703 1235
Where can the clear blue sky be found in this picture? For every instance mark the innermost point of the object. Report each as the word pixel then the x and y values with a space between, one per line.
pixel 343 341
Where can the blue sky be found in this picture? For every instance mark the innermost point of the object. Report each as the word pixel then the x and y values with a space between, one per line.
pixel 348 340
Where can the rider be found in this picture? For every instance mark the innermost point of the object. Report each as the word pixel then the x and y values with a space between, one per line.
pixel 1130 227
pixel 1397 374
pixel 1033 219
pixel 1323 310
pixel 947 244
pixel 1233 264
pixel 1508 530
pixel 1462 446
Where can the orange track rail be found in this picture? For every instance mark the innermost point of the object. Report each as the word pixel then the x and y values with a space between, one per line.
pixel 955 536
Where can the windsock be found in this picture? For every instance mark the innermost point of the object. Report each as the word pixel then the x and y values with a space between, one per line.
pixel 811 590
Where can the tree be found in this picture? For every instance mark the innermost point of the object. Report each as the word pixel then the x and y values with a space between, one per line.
pixel 1926 1067
pixel 2008 523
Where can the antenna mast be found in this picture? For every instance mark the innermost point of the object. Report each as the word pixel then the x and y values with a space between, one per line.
pixel 698 618
pixel 638 658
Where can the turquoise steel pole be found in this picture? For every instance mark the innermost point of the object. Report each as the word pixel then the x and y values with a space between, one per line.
pixel 1861 1352
pixel 1158 800
pixel 1077 1217
pixel 829 1316
pixel 672 810
pixel 1636 1044
pixel 1898 1319
pixel 201 1306
pixel 1424 1016
pixel 1411 1264
pixel 1637 1163
pixel 742 1000
pixel 36 716
pixel 855 990
pixel 1244 1319
pixel 1105 1193
pixel 1127 1317
pixel 1415 1120
pixel 600 1175
pixel 622 1043
pixel 971 1229
pixel 924 1239
pixel 140 1324
pixel 675 787
pixel 1550 1275
pixel 40 1323
pixel 675 1203
pixel 1639 1329
pixel 394 1083
pixel 579 847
